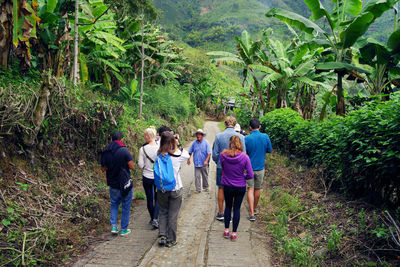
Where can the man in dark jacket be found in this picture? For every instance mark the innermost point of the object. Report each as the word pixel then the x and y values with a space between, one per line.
pixel 117 162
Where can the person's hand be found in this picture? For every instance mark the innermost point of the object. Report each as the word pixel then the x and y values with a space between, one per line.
pixel 188 162
pixel 205 164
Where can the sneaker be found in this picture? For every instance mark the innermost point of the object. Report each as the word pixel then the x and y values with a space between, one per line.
pixel 154 223
pixel 125 232
pixel 206 190
pixel 162 241
pixel 226 233
pixel 256 212
pixel 171 244
pixel 251 218
pixel 220 217
pixel 234 237
pixel 114 230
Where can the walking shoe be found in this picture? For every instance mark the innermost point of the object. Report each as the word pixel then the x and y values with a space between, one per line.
pixel 220 217
pixel 251 218
pixel 162 241
pixel 206 190
pixel 154 223
pixel 125 232
pixel 234 236
pixel 114 230
pixel 171 244
pixel 197 192
pixel 226 233
pixel 256 212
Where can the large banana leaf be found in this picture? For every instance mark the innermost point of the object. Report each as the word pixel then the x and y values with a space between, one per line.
pixel 394 42
pixel 350 7
pixel 304 68
pixel 369 13
pixel 356 29
pixel 295 20
pixel 318 11
pixel 341 66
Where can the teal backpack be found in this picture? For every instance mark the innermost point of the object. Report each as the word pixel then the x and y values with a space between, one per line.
pixel 164 177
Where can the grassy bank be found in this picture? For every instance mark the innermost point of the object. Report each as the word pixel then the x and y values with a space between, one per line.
pixel 310 226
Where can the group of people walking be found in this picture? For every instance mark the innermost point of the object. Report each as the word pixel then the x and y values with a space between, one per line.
pixel 240 165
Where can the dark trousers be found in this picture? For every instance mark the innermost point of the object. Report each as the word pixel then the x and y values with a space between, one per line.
pixel 233 200
pixel 151 197
pixel 170 203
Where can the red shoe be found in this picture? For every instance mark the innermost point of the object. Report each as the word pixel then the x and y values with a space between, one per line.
pixel 234 236
pixel 226 234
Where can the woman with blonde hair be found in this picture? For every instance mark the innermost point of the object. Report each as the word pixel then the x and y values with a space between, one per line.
pixel 147 155
pixel 236 169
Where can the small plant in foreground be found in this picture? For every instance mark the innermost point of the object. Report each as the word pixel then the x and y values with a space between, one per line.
pixel 334 238
pixel 139 195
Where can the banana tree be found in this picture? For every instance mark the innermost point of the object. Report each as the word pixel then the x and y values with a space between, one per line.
pixel 347 23
pixel 247 55
pixel 383 59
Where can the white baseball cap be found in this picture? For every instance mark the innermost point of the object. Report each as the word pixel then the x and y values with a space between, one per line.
pixel 237 128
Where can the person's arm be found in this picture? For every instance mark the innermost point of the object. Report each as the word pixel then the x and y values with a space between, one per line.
pixel 129 159
pixel 249 169
pixel 243 143
pixel 190 153
pixel 131 165
pixel 141 158
pixel 208 154
pixel 216 152
pixel 184 156
pixel 269 145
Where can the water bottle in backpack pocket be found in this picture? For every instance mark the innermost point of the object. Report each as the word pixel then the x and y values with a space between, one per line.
pixel 164 177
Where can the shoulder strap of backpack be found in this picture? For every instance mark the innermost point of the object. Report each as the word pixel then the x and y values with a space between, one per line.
pixel 147 156
pixel 175 156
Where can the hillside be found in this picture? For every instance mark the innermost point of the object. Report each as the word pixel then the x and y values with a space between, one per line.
pixel 212 24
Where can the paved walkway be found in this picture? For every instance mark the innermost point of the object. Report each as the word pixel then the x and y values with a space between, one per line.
pixel 200 241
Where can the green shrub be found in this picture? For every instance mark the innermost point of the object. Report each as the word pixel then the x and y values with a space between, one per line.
pixel 243 116
pixel 277 125
pixel 360 153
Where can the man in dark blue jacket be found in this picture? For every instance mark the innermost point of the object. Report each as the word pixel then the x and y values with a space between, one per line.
pixel 117 162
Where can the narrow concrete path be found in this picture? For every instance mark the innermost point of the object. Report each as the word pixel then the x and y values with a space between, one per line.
pixel 200 241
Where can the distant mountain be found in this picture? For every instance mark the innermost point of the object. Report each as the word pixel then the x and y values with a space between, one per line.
pixel 212 24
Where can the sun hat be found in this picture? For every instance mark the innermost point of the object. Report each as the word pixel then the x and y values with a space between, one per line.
pixel 200 131
pixel 237 128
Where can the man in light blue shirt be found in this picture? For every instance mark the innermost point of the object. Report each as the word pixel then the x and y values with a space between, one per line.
pixel 201 151
pixel 220 144
pixel 258 144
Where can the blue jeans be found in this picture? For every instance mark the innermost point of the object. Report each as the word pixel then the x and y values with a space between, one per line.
pixel 116 200
pixel 219 177
pixel 151 197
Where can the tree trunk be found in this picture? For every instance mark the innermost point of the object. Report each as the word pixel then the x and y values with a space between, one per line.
pixel 253 102
pixel 260 96
pixel 268 97
pixel 297 104
pixel 142 77
pixel 41 108
pixel 5 31
pixel 76 42
pixel 340 105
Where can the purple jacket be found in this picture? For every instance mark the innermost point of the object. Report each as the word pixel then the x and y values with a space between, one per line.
pixel 236 170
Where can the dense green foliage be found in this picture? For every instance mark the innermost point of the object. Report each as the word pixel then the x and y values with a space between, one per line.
pixel 359 153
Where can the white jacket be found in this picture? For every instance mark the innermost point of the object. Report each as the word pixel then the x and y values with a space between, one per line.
pixel 144 163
